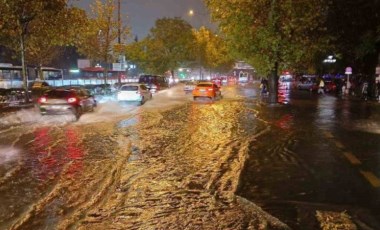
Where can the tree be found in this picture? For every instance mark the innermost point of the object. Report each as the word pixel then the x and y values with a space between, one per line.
pixel 272 34
pixel 166 48
pixel 21 20
pixel 211 51
pixel 356 30
pixel 99 39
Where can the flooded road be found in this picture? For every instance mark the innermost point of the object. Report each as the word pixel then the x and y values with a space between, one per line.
pixel 177 164
pixel 321 153
pixel 169 164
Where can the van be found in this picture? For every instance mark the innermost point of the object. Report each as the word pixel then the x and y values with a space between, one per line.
pixel 154 83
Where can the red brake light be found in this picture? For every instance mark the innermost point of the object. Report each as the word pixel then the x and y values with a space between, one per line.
pixel 72 99
pixel 42 100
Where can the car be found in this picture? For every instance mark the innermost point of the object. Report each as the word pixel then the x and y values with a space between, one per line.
pixel 217 81
pixel 75 101
pixel 308 82
pixel 189 86
pixel 207 89
pixel 154 83
pixel 330 86
pixel 134 92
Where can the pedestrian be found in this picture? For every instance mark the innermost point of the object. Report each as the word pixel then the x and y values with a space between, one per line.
pixel 264 86
pixel 377 80
pixel 321 87
pixel 365 91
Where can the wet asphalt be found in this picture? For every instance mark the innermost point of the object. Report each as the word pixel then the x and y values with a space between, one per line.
pixel 322 152
pixel 144 167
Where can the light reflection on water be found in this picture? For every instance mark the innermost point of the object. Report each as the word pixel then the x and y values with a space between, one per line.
pixel 8 154
pixel 326 112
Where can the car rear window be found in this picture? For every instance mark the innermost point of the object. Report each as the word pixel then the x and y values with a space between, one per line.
pixel 129 88
pixel 204 85
pixel 59 93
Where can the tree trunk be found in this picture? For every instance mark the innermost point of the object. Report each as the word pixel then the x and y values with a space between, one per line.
pixel 40 74
pixel 172 73
pixel 273 85
pixel 105 74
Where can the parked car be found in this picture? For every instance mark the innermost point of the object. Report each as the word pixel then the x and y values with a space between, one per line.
pixel 154 83
pixel 207 89
pixel 75 101
pixel 134 92
pixel 308 82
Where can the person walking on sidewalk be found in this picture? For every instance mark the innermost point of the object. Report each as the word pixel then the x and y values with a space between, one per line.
pixel 321 86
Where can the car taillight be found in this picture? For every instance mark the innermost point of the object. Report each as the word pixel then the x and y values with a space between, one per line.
pixel 42 100
pixel 72 99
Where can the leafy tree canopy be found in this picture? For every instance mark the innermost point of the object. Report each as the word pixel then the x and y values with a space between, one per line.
pixel 269 32
pixel 211 51
pixel 355 26
pixel 98 40
pixel 43 25
pixel 167 47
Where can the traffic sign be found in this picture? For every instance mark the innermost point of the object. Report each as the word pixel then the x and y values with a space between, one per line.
pixel 348 70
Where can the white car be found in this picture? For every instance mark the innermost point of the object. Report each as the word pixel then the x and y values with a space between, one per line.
pixel 134 92
pixel 189 86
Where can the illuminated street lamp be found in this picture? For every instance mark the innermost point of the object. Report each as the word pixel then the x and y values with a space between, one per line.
pixel 191 12
pixel 329 59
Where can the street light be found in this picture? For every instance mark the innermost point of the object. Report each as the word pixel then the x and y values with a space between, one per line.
pixel 191 12
pixel 330 59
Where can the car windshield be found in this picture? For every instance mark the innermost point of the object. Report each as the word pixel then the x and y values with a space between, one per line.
pixel 129 88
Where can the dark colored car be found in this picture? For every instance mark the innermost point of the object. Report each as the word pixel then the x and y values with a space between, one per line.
pixel 74 101
pixel 154 83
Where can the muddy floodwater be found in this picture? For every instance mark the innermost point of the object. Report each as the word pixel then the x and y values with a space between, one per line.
pixel 154 166
pixel 175 163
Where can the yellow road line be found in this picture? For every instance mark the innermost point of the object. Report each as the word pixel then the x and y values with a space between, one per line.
pixel 329 135
pixel 374 180
pixel 352 158
pixel 339 144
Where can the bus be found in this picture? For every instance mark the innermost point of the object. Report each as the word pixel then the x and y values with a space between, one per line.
pixel 11 76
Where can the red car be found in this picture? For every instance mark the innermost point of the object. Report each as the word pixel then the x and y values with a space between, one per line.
pixel 330 86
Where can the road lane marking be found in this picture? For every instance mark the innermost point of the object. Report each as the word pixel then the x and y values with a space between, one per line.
pixel 373 180
pixel 339 144
pixel 352 158
pixel 329 135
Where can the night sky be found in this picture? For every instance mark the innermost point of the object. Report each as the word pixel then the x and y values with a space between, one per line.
pixel 140 15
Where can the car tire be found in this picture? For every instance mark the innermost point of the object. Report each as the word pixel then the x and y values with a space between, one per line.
pixel 195 98
pixel 142 101
pixel 92 108
pixel 77 113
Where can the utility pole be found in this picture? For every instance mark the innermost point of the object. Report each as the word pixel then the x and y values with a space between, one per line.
pixel 121 56
pixel 118 22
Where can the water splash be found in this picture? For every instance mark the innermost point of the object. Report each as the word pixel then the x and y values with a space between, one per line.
pixel 8 154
